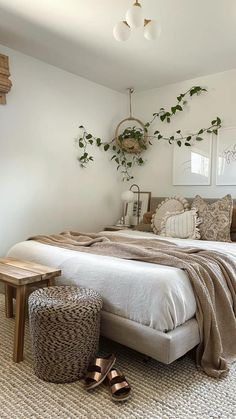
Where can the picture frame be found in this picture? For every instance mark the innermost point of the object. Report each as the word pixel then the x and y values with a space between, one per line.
pixel 132 207
pixel 193 165
pixel 226 156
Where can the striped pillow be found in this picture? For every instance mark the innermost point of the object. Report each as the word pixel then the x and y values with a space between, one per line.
pixel 182 225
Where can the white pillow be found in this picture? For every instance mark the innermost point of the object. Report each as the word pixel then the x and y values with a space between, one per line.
pixel 181 225
pixel 172 204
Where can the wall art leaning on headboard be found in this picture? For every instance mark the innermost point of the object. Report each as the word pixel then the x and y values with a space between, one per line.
pixel 226 157
pixel 5 82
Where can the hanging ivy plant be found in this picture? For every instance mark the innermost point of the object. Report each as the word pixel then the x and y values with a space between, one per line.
pixel 128 146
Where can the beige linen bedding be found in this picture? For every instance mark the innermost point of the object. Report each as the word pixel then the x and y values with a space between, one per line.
pixel 212 275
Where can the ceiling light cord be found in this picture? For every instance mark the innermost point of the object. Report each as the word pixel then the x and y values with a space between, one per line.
pixel 131 91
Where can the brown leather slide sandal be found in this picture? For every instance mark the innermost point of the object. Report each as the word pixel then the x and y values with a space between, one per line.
pixel 119 386
pixel 98 370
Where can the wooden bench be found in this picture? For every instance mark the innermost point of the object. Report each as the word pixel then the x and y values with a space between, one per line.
pixel 18 276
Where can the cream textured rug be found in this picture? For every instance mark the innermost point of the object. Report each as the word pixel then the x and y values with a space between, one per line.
pixel 177 391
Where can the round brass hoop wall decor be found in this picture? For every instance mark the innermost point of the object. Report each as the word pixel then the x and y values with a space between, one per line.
pixel 130 144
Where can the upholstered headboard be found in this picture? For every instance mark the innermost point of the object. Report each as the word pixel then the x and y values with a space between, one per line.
pixel 155 201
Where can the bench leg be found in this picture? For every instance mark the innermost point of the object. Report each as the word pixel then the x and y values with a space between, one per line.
pixel 19 324
pixel 51 282
pixel 9 293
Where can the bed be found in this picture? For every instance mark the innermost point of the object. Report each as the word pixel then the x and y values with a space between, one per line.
pixel 165 328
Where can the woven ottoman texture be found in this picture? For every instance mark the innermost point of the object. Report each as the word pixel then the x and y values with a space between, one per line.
pixel 64 326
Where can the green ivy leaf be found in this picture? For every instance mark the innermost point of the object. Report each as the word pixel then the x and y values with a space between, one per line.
pixel 88 136
pixel 173 109
pixel 189 138
pixel 179 143
pixel 106 147
pixel 81 145
pixel 91 142
pixel 187 144
pixel 98 141
pixel 199 139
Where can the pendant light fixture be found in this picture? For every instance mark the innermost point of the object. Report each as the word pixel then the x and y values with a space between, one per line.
pixel 122 31
pixel 134 16
pixel 134 19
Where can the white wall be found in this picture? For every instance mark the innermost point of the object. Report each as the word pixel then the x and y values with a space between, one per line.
pixel 43 189
pixel 156 174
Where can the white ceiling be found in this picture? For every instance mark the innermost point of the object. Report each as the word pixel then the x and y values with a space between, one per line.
pixel 198 37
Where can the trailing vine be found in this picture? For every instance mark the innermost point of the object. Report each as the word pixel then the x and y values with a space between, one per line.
pixel 124 160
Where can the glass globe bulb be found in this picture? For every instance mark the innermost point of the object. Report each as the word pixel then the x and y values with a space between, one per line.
pixel 127 196
pixel 121 31
pixel 151 30
pixel 134 16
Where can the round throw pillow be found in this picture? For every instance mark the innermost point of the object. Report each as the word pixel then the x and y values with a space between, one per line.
pixel 172 204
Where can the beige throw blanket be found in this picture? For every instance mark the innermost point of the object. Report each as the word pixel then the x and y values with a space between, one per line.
pixel 212 275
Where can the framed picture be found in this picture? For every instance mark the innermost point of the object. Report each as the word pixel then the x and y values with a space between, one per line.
pixel 192 165
pixel 133 210
pixel 226 157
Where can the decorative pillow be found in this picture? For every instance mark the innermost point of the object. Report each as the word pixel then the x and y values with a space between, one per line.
pixel 147 217
pixel 172 204
pixel 144 227
pixel 181 225
pixel 233 225
pixel 216 218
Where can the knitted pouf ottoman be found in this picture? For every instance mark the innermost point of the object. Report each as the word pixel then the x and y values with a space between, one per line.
pixel 64 326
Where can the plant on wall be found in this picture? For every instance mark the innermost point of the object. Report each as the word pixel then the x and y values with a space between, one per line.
pixel 128 145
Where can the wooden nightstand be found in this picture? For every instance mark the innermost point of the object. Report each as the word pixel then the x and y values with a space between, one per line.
pixel 117 228
pixel 18 276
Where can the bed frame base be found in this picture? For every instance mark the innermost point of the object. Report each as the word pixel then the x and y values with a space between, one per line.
pixel 164 347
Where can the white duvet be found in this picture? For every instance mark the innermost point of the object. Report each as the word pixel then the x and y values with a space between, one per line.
pixel 157 296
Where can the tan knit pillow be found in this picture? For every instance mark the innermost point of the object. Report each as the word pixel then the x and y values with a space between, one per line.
pixel 216 218
pixel 182 225
pixel 172 204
